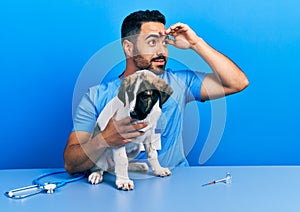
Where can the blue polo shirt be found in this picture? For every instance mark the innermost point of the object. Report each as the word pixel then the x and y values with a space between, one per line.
pixel 186 86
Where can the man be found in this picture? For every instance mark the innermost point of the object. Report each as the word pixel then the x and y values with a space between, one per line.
pixel 144 40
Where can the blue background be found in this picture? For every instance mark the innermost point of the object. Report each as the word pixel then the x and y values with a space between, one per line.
pixel 45 44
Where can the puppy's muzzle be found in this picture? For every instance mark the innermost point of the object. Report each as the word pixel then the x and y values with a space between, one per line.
pixel 134 115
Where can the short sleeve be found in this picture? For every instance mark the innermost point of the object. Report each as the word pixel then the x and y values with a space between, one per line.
pixel 194 83
pixel 86 114
pixel 190 82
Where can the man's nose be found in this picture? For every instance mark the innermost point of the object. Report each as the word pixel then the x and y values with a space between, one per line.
pixel 161 49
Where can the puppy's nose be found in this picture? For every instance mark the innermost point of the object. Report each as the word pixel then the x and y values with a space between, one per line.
pixel 133 115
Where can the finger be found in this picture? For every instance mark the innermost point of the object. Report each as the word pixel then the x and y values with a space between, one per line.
pixel 181 29
pixel 173 33
pixel 178 27
pixel 129 137
pixel 126 141
pixel 125 121
pixel 174 27
pixel 162 32
pixel 140 125
pixel 134 127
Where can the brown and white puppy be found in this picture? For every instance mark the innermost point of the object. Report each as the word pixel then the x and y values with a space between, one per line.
pixel 141 96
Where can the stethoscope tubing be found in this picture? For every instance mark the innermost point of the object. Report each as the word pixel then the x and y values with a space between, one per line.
pixel 38 186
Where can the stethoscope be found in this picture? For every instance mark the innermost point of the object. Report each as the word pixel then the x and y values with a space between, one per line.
pixel 41 187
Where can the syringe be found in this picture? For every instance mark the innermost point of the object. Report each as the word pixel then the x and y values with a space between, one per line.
pixel 226 180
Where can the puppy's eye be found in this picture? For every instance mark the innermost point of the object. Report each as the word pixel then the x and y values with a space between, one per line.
pixel 145 96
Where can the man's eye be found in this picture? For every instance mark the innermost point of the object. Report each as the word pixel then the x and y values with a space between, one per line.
pixel 152 42
pixel 165 42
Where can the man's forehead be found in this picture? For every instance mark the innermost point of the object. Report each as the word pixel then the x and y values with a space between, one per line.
pixel 152 27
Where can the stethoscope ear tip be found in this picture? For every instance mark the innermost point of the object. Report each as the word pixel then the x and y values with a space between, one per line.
pixel 9 194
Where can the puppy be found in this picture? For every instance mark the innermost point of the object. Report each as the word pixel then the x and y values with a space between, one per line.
pixel 141 96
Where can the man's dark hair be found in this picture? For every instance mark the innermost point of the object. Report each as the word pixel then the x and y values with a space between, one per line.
pixel 133 22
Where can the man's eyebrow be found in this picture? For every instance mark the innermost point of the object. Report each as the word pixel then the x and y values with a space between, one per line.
pixel 156 36
pixel 152 35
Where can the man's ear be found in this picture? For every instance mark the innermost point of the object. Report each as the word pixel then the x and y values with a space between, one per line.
pixel 128 48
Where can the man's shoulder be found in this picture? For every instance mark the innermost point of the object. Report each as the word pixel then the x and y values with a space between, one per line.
pixel 105 89
pixel 171 74
pixel 183 73
pixel 177 72
pixel 106 84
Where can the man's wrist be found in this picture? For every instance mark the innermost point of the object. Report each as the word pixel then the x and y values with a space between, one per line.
pixel 196 45
pixel 100 142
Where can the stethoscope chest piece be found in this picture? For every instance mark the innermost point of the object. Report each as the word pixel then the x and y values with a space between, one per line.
pixel 50 188
pixel 40 187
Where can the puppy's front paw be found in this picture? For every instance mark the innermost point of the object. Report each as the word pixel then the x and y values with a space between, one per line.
pixel 125 185
pixel 162 172
pixel 96 177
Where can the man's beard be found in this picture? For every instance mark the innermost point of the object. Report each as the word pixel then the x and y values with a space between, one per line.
pixel 141 63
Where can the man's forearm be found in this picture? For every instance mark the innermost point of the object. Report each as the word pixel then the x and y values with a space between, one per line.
pixel 80 156
pixel 227 71
pixel 76 160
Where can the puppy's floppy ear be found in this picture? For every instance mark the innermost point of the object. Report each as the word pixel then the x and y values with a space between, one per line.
pixel 127 86
pixel 165 91
pixel 122 91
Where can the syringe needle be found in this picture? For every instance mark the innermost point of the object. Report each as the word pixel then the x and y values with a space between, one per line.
pixel 226 180
pixel 211 183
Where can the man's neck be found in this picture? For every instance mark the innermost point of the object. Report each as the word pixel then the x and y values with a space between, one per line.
pixel 130 69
